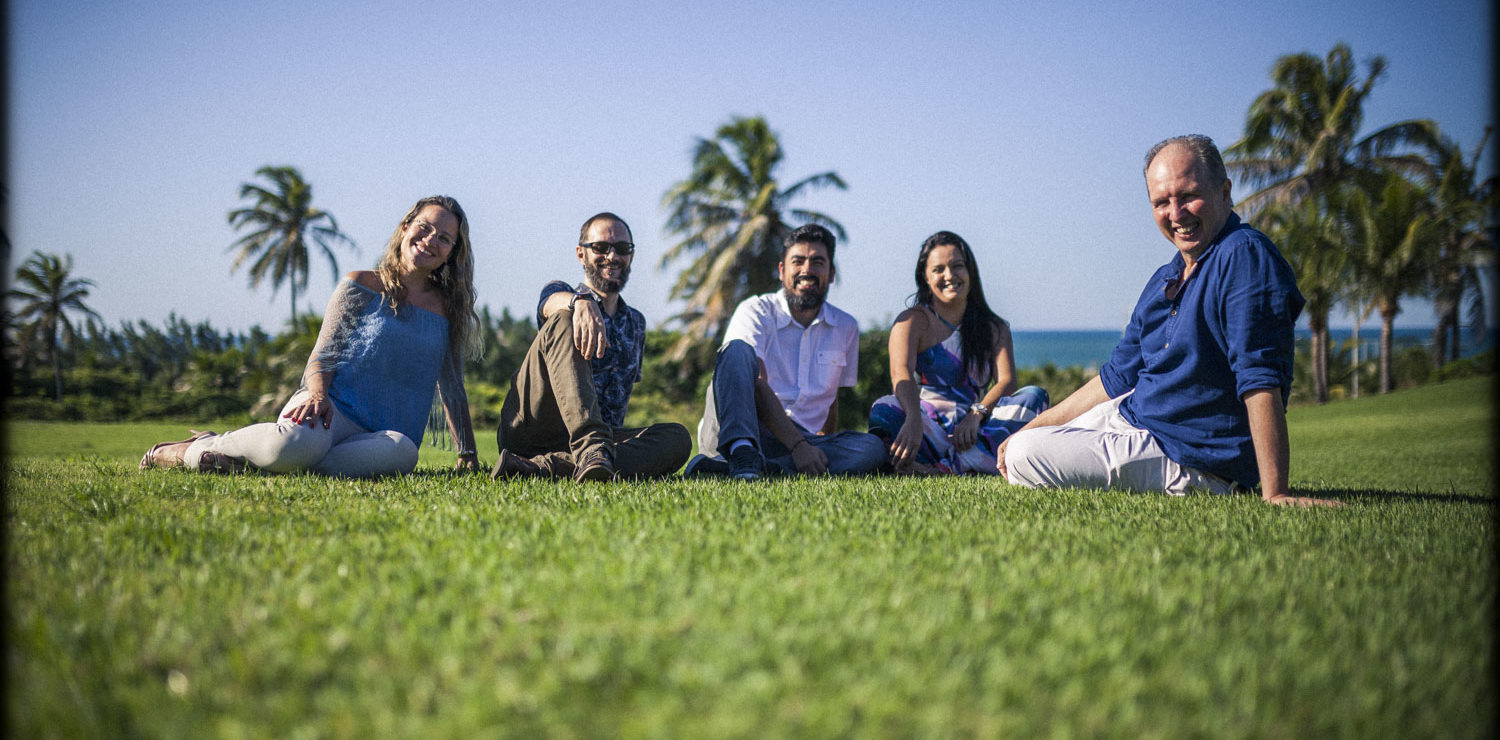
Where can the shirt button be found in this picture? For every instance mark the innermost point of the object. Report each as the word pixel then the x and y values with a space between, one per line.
pixel 1174 312
pixel 1168 344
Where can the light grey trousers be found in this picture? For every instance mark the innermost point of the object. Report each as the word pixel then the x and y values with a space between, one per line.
pixel 1100 449
pixel 343 449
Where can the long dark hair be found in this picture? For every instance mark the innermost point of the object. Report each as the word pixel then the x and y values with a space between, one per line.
pixel 979 324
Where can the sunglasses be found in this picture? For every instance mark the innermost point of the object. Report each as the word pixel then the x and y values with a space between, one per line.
pixel 624 249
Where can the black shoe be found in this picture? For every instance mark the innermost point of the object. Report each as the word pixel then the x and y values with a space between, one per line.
pixel 745 463
pixel 511 465
pixel 704 466
pixel 596 466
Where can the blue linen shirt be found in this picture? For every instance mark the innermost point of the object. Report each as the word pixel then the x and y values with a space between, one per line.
pixel 1191 359
pixel 617 372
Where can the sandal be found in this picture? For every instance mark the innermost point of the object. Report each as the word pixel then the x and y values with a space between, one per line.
pixel 159 457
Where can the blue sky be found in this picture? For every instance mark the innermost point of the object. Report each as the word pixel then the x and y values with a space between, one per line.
pixel 1018 125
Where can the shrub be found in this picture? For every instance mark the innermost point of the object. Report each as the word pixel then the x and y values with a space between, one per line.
pixel 1468 367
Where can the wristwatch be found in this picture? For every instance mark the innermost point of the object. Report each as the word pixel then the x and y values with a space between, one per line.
pixel 979 408
pixel 584 293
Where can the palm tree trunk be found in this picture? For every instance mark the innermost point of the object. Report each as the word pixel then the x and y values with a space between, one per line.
pixel 1439 341
pixel 1457 327
pixel 1387 322
pixel 294 302
pixel 1319 326
pixel 1354 356
pixel 57 369
pixel 1320 366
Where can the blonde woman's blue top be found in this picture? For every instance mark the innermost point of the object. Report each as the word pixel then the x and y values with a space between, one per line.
pixel 385 363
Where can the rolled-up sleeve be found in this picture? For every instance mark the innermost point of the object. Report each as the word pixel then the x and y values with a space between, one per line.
pixel 1260 308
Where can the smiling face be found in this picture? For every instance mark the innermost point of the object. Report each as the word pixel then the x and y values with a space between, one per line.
pixel 805 271
pixel 606 273
pixel 947 274
pixel 428 239
pixel 1188 207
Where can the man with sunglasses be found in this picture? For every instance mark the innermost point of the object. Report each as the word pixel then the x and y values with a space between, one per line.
pixel 773 403
pixel 564 415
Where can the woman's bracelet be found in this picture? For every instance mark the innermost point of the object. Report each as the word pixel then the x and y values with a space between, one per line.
pixel 801 441
pixel 467 453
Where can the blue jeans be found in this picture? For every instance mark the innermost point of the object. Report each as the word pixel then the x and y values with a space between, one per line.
pixel 731 416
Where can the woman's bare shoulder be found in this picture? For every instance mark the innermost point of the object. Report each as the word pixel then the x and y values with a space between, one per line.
pixel 916 317
pixel 365 278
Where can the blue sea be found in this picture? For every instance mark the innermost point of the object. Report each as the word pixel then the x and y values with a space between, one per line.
pixel 1085 348
pixel 1091 348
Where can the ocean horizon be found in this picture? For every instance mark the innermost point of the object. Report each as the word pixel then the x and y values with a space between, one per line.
pixel 1090 348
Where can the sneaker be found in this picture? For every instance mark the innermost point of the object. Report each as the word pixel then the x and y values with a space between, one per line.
pixel 704 466
pixel 511 465
pixel 745 463
pixel 596 466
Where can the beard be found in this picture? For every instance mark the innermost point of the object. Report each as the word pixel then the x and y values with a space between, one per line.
pixel 595 274
pixel 806 299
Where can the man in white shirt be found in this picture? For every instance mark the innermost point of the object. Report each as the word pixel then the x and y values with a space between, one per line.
pixel 773 403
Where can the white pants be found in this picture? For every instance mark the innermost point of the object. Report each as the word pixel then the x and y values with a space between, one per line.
pixel 1100 449
pixel 343 449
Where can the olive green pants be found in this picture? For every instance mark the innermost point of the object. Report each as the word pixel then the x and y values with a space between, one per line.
pixel 551 415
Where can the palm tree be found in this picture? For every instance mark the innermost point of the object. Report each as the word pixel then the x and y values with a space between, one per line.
pixel 1394 231
pixel 1311 238
pixel 1300 134
pixel 49 293
pixel 282 222
pixel 1464 246
pixel 732 215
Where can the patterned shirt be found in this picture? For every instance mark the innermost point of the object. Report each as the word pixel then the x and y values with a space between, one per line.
pixel 617 372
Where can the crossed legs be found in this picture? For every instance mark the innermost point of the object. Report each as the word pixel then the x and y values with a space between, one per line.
pixel 343 449
pixel 551 415
pixel 1100 449
pixel 730 415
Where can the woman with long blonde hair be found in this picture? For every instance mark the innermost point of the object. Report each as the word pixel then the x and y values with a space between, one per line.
pixel 389 335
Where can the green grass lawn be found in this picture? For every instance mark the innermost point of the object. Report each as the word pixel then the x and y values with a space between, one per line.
pixel 174 605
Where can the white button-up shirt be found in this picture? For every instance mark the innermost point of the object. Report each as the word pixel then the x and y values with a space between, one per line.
pixel 805 366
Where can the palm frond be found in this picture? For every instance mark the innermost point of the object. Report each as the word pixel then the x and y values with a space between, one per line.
pixel 727 219
pixel 282 221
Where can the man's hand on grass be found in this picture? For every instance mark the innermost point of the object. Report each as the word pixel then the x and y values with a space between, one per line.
pixel 1285 500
